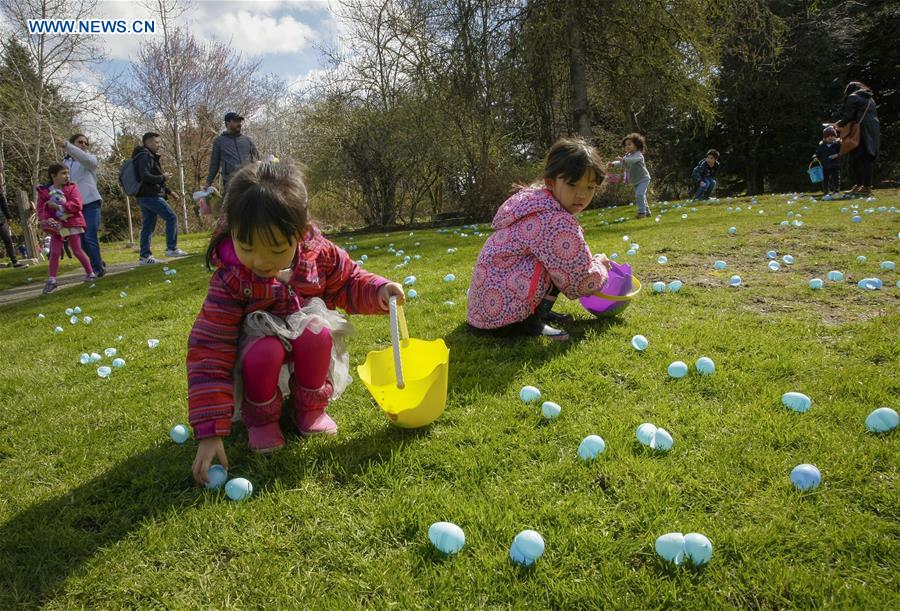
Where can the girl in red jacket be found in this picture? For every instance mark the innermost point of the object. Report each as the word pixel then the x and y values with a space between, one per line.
pixel 268 327
pixel 59 211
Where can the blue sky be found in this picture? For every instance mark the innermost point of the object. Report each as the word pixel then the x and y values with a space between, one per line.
pixel 283 35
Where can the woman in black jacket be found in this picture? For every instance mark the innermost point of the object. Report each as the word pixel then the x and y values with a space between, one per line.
pixel 859 106
pixel 5 218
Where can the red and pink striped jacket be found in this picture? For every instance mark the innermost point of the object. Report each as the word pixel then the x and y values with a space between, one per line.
pixel 321 269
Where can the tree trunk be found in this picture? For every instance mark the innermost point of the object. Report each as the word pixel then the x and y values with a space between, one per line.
pixel 581 115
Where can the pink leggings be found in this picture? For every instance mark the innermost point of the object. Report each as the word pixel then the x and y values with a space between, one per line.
pixel 311 353
pixel 56 247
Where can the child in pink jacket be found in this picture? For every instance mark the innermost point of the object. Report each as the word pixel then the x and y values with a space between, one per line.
pixel 61 217
pixel 538 249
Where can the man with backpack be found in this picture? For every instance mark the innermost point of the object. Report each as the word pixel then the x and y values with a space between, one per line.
pixel 142 176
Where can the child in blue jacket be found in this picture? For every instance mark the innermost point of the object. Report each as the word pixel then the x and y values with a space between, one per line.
pixel 828 153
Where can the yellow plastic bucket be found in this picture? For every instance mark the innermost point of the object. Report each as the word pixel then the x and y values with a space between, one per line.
pixel 409 379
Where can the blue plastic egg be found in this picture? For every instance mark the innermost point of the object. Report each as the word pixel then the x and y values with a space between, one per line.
pixel 816 283
pixel 238 489
pixel 179 433
pixel 697 548
pixel 639 342
pixel 774 266
pixel 677 369
pixel 645 433
pixel 412 293
pixel 675 286
pixel 118 363
pixel 670 547
pixel 835 276
pixel 69 311
pixel 882 420
pixel 447 537
pixel 529 394
pixel 771 254
pixel 872 284
pixel 662 260
pixel 152 343
pixel 734 281
pixel 796 401
pixel 526 548
pixel 216 476
pixel 861 259
pixel 732 230
pixel 705 366
pixel 550 410
pixel 662 440
pixel 659 287
pixel 788 259
pixel 590 447
pixel 720 264
pixel 888 266
pixel 73 320
pixel 449 278
pixel 805 477
pixel 87 320
pixel 96 358
pixel 856 219
pixel 409 280
pixel 110 352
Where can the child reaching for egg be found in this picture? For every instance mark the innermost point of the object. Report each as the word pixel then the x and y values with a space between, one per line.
pixel 268 327
pixel 538 249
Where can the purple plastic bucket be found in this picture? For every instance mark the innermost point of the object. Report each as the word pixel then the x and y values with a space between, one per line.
pixel 619 284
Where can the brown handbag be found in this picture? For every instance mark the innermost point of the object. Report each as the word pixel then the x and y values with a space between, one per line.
pixel 849 133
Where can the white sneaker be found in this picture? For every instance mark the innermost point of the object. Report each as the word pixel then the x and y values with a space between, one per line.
pixel 176 253
pixel 148 260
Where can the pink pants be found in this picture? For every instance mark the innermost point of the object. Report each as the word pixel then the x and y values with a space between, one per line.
pixel 311 354
pixel 56 248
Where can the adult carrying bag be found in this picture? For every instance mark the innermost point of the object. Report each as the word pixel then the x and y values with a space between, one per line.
pixel 850 132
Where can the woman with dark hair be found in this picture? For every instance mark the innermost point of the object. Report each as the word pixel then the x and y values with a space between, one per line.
pixel 860 107
pixel 83 172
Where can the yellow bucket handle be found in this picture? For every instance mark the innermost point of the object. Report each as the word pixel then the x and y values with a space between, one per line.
pixel 636 284
pixel 815 160
pixel 398 326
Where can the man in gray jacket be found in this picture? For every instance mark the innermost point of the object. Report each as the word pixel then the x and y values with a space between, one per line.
pixel 231 149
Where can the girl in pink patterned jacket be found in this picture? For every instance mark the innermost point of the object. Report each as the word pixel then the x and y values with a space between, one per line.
pixel 538 249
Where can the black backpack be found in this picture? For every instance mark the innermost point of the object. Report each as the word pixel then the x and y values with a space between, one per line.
pixel 128 177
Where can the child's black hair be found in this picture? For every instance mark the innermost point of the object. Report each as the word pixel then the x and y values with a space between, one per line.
pixel 637 139
pixel 54 169
pixel 570 159
pixel 263 198
pixel 713 152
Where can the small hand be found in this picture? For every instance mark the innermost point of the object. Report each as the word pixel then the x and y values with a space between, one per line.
pixel 61 143
pixel 605 261
pixel 207 449
pixel 391 289
pixel 835 156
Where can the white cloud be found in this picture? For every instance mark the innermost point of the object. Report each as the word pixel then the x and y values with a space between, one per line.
pixel 256 34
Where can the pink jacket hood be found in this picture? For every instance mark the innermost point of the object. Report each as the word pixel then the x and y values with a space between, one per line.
pixel 523 203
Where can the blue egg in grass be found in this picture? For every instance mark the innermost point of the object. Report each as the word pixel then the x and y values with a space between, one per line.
pixel 720 264
pixel 805 477
pixel 110 352
pixel 179 433
pixel 774 266
pixel 69 311
pixel 216 476
pixel 645 433
pixel 238 489
pixel 856 219
pixel 449 278
pixel 96 358
pixel 888 266
pixel 816 283
pixel 771 254
pixel 639 342
pixel 788 259
pixel 705 366
pixel 670 547
pixel 447 537
pixel 85 359
pixel 103 371
pixel 409 280
pixel 872 284
pixel 734 281
pixel 861 259
pixel 526 548
pixel 882 420
pixel 732 230
pixel 835 276
pixel 662 440
pixel 529 394
pixel 796 401
pixel 697 548
pixel 677 369
pixel 412 293
pixel 590 447
pixel 550 410
pixel 675 286
pixel 118 363
pixel 662 260
pixel 659 287
pixel 784 223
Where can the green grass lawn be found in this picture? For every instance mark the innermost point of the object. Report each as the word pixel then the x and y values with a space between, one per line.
pixel 98 508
